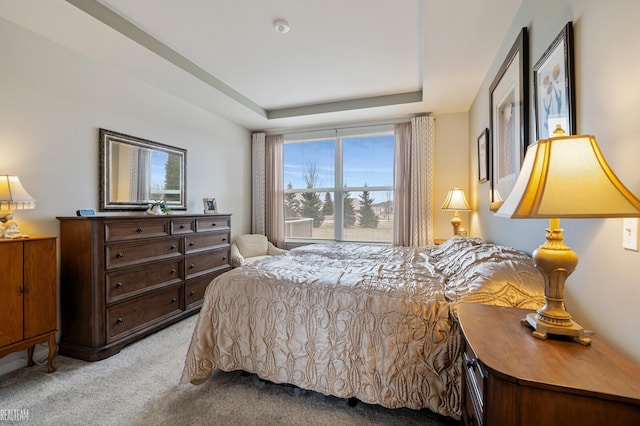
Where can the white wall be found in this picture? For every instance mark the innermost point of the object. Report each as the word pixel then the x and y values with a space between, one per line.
pixel 52 102
pixel 604 292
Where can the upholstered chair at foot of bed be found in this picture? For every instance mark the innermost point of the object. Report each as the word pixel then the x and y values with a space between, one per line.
pixel 251 247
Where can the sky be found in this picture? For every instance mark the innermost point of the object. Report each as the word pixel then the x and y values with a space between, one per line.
pixel 366 160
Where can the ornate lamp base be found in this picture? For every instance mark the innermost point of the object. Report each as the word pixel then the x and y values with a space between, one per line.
pixel 456 222
pixel 542 329
pixel 556 261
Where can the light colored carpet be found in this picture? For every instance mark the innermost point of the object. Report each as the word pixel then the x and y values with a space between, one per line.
pixel 139 386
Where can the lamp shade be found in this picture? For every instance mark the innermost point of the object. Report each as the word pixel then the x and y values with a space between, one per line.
pixel 456 200
pixel 568 177
pixel 13 196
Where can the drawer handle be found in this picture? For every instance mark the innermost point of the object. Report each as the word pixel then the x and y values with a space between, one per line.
pixel 191 244
pixel 193 293
pixel 173 271
pixel 173 247
pixel 119 285
pixel 192 266
pixel 139 230
pixel 119 255
pixel 181 226
pixel 119 320
pixel 174 300
pixel 224 238
pixel 224 257
pixel 213 224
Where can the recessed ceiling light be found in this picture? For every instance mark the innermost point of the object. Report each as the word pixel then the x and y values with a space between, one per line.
pixel 281 25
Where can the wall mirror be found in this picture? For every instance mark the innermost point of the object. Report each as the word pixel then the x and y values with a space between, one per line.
pixel 135 172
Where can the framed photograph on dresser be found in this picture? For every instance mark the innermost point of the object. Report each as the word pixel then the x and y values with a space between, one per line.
pixel 210 205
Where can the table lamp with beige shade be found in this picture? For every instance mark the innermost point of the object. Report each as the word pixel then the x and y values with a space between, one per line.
pixel 564 177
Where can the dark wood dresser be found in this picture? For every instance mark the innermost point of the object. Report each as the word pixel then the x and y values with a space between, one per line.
pixel 124 277
pixel 28 296
pixel 513 378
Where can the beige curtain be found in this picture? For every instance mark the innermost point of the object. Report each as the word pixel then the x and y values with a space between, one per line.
pixel 275 190
pixel 402 167
pixel 258 184
pixel 413 192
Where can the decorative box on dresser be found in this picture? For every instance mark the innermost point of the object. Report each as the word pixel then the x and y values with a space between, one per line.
pixel 28 295
pixel 124 277
pixel 512 378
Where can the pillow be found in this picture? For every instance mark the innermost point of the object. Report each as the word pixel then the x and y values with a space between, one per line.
pixel 453 245
pixel 495 275
pixel 458 261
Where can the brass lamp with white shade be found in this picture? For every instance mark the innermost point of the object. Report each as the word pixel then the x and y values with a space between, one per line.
pixel 564 177
pixel 457 202
pixel 13 196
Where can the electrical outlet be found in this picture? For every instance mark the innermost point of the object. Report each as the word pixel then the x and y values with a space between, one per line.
pixel 630 234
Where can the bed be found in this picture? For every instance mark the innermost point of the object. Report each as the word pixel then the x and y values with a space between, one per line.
pixel 372 322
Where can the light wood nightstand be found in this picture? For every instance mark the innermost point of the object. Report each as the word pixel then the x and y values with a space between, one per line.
pixel 512 378
pixel 28 292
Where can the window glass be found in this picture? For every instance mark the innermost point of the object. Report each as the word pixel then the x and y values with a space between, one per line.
pixel 340 188
pixel 368 160
pixel 310 163
pixel 370 218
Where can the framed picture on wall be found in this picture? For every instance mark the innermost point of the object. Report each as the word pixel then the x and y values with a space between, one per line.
pixel 554 87
pixel 483 156
pixel 210 206
pixel 509 119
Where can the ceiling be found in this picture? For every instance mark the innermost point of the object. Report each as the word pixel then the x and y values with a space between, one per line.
pixel 342 61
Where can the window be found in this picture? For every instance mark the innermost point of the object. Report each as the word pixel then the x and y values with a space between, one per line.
pixel 340 186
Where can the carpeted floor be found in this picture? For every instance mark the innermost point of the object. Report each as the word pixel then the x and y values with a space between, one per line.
pixel 139 386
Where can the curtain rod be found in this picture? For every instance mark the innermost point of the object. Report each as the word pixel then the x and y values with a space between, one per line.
pixel 295 131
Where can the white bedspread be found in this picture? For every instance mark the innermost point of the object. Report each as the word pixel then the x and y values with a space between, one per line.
pixel 365 321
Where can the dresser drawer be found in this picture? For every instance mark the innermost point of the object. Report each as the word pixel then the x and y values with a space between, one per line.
pixel 128 317
pixel 183 226
pixel 197 264
pixel 126 254
pixel 212 224
pixel 207 241
pixel 124 231
pixel 130 282
pixel 195 287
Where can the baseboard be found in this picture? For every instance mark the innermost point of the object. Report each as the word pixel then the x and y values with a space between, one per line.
pixel 18 360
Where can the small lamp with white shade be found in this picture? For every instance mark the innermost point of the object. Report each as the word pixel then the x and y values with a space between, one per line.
pixel 457 202
pixel 13 196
